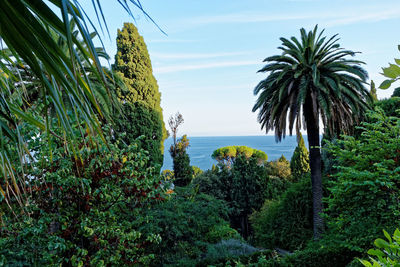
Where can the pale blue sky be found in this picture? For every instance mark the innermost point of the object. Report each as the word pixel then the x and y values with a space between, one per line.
pixel 206 66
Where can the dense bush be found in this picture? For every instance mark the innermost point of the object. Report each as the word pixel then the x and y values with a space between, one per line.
pixel 241 185
pixel 279 168
pixel 187 224
pixel 315 256
pixel 285 223
pixel 137 120
pixel 396 92
pixel 196 171
pixel 364 193
pixel 390 106
pixel 83 210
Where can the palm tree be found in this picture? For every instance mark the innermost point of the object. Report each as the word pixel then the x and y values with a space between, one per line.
pixel 311 80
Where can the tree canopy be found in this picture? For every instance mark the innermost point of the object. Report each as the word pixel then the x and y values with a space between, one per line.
pixel 227 155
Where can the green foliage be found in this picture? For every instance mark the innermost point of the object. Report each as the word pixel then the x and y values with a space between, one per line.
pixel 285 223
pixel 136 120
pixel 222 232
pixel 372 92
pixel 196 171
pixel 299 164
pixel 132 63
pixel 133 66
pixel 392 73
pixel 213 183
pixel 396 92
pixel 183 172
pixel 390 106
pixel 243 187
pixel 227 155
pixel 84 210
pixel 387 252
pixel 312 63
pixel 167 175
pixel 365 191
pixel 187 224
pixel 316 256
pixel 279 168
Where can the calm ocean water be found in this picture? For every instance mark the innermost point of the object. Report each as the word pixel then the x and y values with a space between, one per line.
pixel 201 148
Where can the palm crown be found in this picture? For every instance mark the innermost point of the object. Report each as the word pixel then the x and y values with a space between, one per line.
pixel 311 71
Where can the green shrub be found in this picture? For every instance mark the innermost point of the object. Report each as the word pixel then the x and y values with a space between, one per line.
pixel 138 120
pixel 396 92
pixel 187 223
pixel 196 171
pixel 279 168
pixel 316 256
pixel 390 106
pixel 364 193
pixel 244 187
pixel 285 223
pixel 83 210
pixel 221 232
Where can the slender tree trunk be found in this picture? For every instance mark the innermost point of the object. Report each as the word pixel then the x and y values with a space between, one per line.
pixel 315 166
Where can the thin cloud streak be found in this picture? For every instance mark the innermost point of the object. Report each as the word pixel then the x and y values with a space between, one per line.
pixel 368 17
pixel 196 55
pixel 178 68
pixel 166 40
pixel 332 19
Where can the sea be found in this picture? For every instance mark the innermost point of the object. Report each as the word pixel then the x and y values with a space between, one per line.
pixel 201 148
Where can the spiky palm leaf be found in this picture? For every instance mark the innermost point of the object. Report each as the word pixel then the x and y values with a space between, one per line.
pixel 27 29
pixel 312 79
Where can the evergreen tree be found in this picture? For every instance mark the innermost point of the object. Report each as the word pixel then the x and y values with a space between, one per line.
pixel 182 170
pixel 299 164
pixel 372 92
pixel 141 112
pixel 396 92
pixel 138 120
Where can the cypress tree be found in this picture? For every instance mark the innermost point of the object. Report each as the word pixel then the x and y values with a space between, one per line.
pixel 182 170
pixel 141 112
pixel 299 163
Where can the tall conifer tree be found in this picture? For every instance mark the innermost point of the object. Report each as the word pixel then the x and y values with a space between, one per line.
pixel 299 163
pixel 141 112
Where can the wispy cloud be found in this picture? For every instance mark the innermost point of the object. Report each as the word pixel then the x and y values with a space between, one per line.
pixel 365 17
pixel 332 18
pixel 245 18
pixel 187 67
pixel 168 40
pixel 196 55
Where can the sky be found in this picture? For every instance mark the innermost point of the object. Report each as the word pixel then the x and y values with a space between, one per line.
pixel 206 64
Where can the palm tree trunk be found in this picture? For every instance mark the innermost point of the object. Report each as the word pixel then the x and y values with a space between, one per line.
pixel 315 166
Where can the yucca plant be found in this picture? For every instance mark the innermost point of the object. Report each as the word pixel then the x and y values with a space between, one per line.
pixel 312 80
